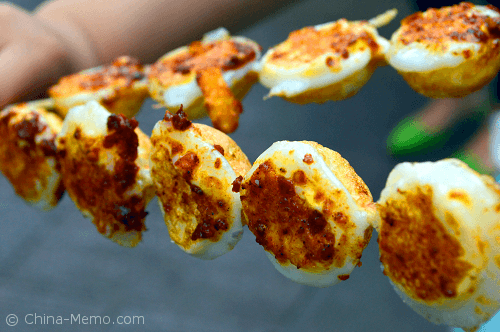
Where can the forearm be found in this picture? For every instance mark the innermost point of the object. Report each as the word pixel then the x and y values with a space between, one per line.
pixel 145 29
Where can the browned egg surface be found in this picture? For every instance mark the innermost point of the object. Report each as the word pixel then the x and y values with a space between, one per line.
pixel 22 160
pixel 285 225
pixel 223 54
pixel 211 212
pixel 307 44
pixel 122 73
pixel 416 250
pixel 456 23
pixel 222 107
pixel 95 188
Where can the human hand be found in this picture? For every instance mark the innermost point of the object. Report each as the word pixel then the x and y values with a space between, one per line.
pixel 35 50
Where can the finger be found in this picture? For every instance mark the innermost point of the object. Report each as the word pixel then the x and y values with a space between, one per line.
pixel 26 70
pixel 11 17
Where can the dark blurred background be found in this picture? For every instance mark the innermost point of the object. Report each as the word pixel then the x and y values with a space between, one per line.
pixel 57 264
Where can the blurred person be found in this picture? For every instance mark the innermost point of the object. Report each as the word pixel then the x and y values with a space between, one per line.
pixel 65 36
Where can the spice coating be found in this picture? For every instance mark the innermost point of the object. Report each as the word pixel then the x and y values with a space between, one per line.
pixel 123 72
pixel 193 170
pixel 309 43
pixel 223 54
pixel 283 224
pixel 455 23
pixel 416 250
pixel 102 177
pixel 179 120
pixel 27 154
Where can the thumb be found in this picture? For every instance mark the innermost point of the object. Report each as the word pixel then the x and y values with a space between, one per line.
pixel 28 69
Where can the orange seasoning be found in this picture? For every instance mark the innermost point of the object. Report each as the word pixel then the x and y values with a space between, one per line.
pixel 309 43
pixel 123 72
pixel 455 23
pixel 223 54
pixel 416 250
pixel 283 224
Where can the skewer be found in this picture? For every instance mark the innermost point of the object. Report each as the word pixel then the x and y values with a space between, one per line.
pixel 383 19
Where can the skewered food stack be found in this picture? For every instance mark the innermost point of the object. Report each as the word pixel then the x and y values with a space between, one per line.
pixel 105 167
pixel 193 167
pixel 438 223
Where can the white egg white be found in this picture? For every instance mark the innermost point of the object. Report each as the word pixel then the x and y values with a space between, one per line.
pixel 290 155
pixel 478 294
pixel 186 94
pixel 417 57
pixel 202 248
pixel 292 81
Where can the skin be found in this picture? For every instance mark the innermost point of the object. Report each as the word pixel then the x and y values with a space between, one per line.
pixel 65 36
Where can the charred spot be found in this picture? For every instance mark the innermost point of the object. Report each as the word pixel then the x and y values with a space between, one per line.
pixel 237 184
pixel 367 235
pixel 219 148
pixel 48 147
pixel 179 120
pixel 182 68
pixel 319 196
pixel 131 214
pixel 217 163
pixel 340 219
pixel 187 164
pixel 316 222
pixel 176 147
pixel 299 177
pixel 167 207
pixel 330 62
pixel 59 191
pixel 77 134
pixel 308 159
pixel 244 54
pixel 195 189
pixel 286 187
pixel 233 62
pixel 61 153
pixel 27 129
pixel 5 117
pixel 343 277
pixel 124 176
pixel 122 135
